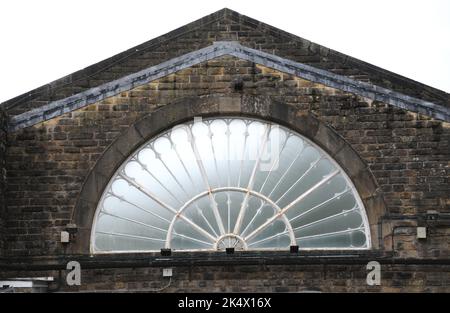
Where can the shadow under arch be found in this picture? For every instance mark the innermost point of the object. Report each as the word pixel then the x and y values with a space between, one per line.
pixel 262 107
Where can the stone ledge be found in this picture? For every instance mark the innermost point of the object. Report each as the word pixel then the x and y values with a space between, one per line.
pixel 215 259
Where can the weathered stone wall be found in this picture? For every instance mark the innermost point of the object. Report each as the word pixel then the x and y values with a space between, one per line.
pixel 275 278
pixel 407 153
pixel 3 129
pixel 257 278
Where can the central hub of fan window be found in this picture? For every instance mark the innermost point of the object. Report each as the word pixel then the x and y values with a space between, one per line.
pixel 231 241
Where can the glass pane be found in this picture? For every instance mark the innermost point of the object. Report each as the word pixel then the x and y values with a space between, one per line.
pixel 258 212
pixel 274 236
pixel 132 195
pixel 229 204
pixel 201 212
pixel 185 237
pixel 353 239
pixel 332 223
pixel 325 200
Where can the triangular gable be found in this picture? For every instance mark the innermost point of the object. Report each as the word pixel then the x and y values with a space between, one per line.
pixel 222 25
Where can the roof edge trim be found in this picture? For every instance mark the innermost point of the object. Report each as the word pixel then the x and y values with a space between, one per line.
pixel 218 49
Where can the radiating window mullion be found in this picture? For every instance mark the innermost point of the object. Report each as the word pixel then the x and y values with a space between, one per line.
pixel 191 238
pixel 138 207
pixel 268 238
pixel 206 220
pixel 144 167
pixel 258 211
pixel 228 133
pixel 285 209
pixel 244 149
pixel 182 163
pixel 205 178
pixel 228 212
pixel 197 227
pixel 133 221
pixel 310 190
pixel 144 190
pixel 270 171
pixel 320 205
pixel 189 175
pixel 326 218
pixel 210 135
pixel 312 165
pixel 129 236
pixel 251 180
pixel 158 157
pixel 287 170
pixel 339 232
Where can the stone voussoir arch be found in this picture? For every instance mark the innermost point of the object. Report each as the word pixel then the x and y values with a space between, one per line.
pixel 184 109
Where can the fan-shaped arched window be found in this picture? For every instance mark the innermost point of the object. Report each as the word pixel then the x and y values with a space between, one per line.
pixel 229 182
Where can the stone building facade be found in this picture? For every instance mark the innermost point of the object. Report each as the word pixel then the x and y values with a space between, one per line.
pixel 61 143
pixel 3 130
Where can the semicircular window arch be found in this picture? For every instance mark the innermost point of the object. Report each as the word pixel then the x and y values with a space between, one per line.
pixel 221 182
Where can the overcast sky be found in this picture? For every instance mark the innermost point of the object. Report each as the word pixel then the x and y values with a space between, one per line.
pixel 44 40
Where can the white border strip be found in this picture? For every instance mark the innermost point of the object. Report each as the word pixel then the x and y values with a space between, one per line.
pixel 218 49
